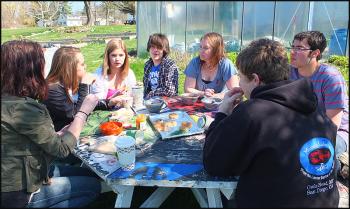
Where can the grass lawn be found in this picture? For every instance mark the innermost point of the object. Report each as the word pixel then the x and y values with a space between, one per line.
pixel 50 34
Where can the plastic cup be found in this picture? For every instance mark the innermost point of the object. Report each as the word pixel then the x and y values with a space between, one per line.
pixel 125 147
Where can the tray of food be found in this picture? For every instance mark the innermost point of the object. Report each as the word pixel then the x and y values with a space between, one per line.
pixel 174 124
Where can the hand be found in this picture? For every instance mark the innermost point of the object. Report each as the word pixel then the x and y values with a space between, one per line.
pixel 89 103
pixel 209 92
pixel 88 78
pixel 231 99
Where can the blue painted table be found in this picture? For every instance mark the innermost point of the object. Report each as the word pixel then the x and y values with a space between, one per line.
pixel 166 164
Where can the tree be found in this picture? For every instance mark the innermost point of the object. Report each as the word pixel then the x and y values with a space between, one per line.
pixel 45 11
pixel 108 7
pixel 88 12
pixel 127 7
pixel 13 14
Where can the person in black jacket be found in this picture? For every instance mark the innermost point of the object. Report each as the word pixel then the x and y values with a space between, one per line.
pixel 277 141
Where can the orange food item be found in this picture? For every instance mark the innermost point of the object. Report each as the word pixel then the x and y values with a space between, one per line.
pixel 111 128
pixel 140 121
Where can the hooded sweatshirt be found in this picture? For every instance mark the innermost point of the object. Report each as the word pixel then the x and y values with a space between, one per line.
pixel 280 146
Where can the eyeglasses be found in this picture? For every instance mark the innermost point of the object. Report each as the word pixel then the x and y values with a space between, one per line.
pixel 297 49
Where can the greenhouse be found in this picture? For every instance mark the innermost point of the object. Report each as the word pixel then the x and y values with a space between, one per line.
pixel 240 22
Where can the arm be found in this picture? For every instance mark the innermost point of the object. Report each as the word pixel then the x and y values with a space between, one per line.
pixel 83 90
pixel 335 115
pixel 228 143
pixel 190 86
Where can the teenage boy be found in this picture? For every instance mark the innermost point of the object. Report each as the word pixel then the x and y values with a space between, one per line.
pixel 277 141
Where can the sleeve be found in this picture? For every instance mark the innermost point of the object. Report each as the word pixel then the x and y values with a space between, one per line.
pixel 227 146
pixel 59 105
pixel 146 71
pixel 192 69
pixel 169 82
pixel 33 121
pixel 98 88
pixel 83 91
pixel 228 69
pixel 335 92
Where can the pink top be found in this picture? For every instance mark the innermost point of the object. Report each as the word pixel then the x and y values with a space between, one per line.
pixel 111 92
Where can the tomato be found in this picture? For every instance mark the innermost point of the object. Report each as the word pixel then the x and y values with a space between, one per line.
pixel 111 128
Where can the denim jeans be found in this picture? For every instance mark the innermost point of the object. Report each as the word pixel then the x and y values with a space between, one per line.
pixel 340 147
pixel 70 187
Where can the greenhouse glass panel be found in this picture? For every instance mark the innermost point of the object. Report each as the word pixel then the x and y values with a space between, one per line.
pixel 199 21
pixel 148 22
pixel 173 23
pixel 257 21
pixel 228 22
pixel 290 19
pixel 332 19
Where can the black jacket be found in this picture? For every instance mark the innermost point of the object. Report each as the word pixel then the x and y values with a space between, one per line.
pixel 61 110
pixel 280 145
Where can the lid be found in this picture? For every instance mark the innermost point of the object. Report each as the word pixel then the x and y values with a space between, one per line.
pixel 124 141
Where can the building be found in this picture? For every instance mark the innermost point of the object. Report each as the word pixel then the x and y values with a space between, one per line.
pixel 67 20
pixel 240 22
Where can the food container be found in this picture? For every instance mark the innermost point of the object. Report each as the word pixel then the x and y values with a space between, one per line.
pixel 211 103
pixel 111 128
pixel 189 98
pixel 154 105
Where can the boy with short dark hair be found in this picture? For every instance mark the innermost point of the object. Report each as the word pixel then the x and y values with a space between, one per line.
pixel 161 76
pixel 277 142
pixel 328 83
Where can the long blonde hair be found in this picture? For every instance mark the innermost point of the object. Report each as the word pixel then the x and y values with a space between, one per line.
pixel 216 41
pixel 112 45
pixel 64 69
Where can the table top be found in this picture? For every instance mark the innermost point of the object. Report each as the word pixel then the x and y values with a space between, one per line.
pixel 173 162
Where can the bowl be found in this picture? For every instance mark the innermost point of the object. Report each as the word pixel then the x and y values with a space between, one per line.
pixel 211 103
pixel 154 105
pixel 111 128
pixel 189 98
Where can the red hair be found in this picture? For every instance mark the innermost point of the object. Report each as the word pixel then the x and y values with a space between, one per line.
pixel 22 69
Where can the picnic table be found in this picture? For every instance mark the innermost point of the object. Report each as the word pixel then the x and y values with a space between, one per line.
pixel 166 164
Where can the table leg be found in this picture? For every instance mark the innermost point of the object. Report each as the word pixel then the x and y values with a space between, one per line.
pixel 157 197
pixel 124 196
pixel 201 197
pixel 214 198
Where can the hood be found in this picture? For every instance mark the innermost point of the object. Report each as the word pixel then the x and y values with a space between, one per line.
pixel 297 95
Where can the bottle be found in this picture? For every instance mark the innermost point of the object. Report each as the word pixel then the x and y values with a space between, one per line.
pixel 141 122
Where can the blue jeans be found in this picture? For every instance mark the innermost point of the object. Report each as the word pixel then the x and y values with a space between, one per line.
pixel 71 187
pixel 340 147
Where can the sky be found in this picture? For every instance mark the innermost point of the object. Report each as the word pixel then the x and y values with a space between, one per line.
pixel 77 5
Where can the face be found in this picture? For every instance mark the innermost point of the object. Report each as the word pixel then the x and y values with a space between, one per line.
pixel 156 54
pixel 80 66
pixel 116 58
pixel 205 51
pixel 300 53
pixel 246 84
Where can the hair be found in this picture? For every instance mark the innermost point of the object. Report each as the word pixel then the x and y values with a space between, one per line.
pixel 266 58
pixel 160 41
pixel 216 41
pixel 112 45
pixel 315 39
pixel 64 69
pixel 22 69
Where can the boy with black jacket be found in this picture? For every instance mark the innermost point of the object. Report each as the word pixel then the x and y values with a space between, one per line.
pixel 277 141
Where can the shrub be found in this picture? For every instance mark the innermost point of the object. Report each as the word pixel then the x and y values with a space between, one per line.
pixel 342 63
pixel 181 58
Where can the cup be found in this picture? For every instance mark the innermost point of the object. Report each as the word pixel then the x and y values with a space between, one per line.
pixel 200 120
pixel 125 147
pixel 137 95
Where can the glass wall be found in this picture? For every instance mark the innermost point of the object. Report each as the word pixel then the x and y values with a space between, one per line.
pixel 240 22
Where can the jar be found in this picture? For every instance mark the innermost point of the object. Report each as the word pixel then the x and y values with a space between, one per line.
pixel 141 121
